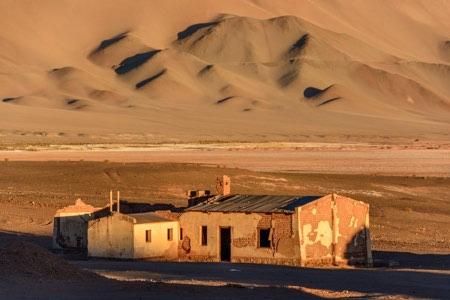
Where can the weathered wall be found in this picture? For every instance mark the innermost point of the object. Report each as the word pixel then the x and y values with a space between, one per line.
pixel 70 231
pixel 70 225
pixel 111 236
pixel 352 224
pixel 315 227
pixel 159 247
pixel 333 230
pixel 244 237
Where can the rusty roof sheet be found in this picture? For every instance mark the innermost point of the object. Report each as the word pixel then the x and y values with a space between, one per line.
pixel 148 217
pixel 253 203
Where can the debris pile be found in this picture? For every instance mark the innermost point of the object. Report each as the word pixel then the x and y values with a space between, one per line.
pixel 23 260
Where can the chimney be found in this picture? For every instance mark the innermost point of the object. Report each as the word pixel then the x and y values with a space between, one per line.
pixel 118 201
pixel 226 185
pixel 110 201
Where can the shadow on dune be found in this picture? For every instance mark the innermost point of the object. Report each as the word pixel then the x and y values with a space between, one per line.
pixel 328 101
pixel 108 42
pixel 312 92
pixel 220 101
pixel 205 70
pixel 133 62
pixel 288 78
pixel 10 99
pixel 142 83
pixel 300 44
pixel 193 29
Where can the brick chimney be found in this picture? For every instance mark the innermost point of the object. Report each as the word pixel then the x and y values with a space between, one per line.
pixel 226 185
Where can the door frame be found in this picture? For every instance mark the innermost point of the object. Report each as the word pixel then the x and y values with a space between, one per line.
pixel 220 242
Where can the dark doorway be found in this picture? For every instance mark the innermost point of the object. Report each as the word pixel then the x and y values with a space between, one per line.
pixel 225 243
pixel 264 238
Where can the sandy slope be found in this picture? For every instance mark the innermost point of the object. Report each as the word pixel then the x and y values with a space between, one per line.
pixel 224 69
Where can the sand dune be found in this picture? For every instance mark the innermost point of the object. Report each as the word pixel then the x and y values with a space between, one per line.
pixel 231 70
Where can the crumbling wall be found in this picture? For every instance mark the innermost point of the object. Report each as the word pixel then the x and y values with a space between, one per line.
pixel 70 231
pixel 244 237
pixel 315 227
pixel 352 216
pixel 159 247
pixel 70 225
pixel 334 230
pixel 111 236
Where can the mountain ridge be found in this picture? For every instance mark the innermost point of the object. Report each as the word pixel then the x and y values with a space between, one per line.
pixel 236 71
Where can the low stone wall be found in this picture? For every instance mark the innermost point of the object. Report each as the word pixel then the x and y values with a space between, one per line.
pixel 269 261
pixel 199 258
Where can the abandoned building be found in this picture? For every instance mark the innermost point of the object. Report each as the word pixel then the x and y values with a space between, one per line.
pixel 271 229
pixel 70 225
pixel 133 236
pixel 287 230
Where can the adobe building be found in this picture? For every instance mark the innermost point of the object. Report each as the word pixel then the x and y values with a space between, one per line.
pixel 268 229
pixel 133 236
pixel 70 226
pixel 289 230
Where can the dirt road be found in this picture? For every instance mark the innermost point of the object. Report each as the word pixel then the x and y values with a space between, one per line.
pixel 365 282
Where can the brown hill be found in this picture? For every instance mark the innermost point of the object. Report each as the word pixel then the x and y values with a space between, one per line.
pixel 247 70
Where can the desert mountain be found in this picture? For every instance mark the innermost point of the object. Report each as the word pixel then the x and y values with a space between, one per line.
pixel 224 70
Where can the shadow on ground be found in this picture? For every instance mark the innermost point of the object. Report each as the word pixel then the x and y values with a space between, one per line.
pixel 9 236
pixel 415 261
pixel 25 286
pixel 422 284
pixel 418 275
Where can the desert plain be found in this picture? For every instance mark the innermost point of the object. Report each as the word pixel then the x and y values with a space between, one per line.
pixel 409 211
pixel 153 98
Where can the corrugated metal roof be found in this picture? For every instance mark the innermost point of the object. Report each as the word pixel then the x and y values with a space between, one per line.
pixel 253 203
pixel 148 217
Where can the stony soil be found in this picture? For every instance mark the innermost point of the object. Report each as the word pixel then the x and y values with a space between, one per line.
pixel 410 225
pixel 408 214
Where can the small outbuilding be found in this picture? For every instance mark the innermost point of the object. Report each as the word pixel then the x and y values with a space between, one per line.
pixel 70 226
pixel 133 236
